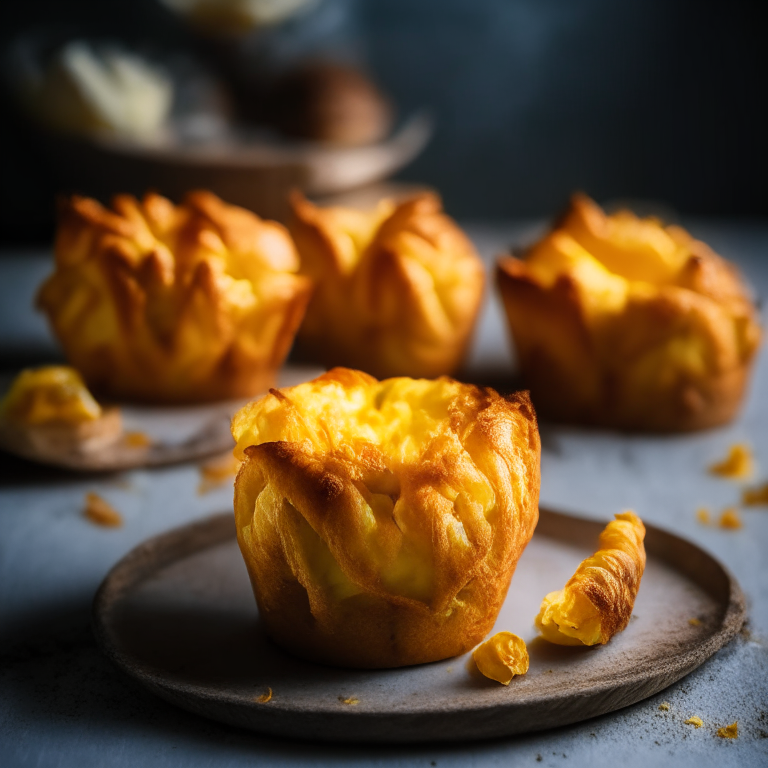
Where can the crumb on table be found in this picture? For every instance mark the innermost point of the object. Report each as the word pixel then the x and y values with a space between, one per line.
pixel 729 731
pixel 664 706
pixel 100 512
pixel 703 516
pixel 351 700
pixel 730 519
pixel 752 497
pixel 736 465
pixel 695 721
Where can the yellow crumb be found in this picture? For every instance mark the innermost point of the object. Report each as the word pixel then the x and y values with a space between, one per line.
pixel 664 706
pixel 697 721
pixel 137 440
pixel 217 472
pixel 729 731
pixel 265 697
pixel 703 516
pixel 100 512
pixel 351 700
pixel 730 519
pixel 751 497
pixel 501 657
pixel 694 622
pixel 737 464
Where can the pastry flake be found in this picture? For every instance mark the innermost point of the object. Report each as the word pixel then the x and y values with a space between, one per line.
pixel 729 731
pixel 597 600
pixel 398 289
pixel 381 521
pixel 622 322
pixel 737 465
pixel 730 519
pixel 752 497
pixel 165 303
pixel 101 512
pixel 502 657
pixel 695 721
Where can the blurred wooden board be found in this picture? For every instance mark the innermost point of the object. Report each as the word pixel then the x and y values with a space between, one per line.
pixel 177 614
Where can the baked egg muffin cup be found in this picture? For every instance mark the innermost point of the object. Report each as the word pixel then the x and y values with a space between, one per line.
pixel 381 521
pixel 398 288
pixel 622 322
pixel 162 303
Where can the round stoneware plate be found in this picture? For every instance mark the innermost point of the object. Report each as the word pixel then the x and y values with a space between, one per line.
pixel 151 435
pixel 177 613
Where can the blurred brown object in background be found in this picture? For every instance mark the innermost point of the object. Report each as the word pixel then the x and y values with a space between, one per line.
pixel 328 102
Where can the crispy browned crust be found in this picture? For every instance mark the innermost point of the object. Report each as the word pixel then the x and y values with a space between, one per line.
pixel 585 375
pixel 291 504
pixel 409 306
pixel 144 300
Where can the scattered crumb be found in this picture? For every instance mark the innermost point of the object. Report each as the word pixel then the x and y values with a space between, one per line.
pixel 265 697
pixel 697 721
pixel 737 464
pixel 703 516
pixel 694 622
pixel 729 731
pixel 502 657
pixel 730 519
pixel 100 512
pixel 450 669
pixel 217 472
pixel 752 497
pixel 351 701
pixel 664 706
pixel 137 440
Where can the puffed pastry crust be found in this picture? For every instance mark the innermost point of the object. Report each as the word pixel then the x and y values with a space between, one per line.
pixel 381 521
pixel 621 322
pixel 598 599
pixel 398 289
pixel 165 303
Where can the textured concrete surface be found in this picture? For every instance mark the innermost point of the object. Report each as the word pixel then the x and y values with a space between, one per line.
pixel 61 703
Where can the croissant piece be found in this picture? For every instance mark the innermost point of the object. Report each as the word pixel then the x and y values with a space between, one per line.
pixel 597 601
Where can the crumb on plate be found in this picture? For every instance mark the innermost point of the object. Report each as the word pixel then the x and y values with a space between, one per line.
pixel 351 700
pixel 137 440
pixel 217 472
pixel 502 657
pixel 265 697
pixel 99 512
pixel 694 622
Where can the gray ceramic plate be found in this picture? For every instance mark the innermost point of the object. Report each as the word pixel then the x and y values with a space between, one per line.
pixel 177 613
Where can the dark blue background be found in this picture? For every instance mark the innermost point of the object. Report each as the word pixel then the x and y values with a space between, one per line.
pixel 659 99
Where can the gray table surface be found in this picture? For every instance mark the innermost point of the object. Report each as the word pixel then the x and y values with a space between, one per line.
pixel 62 703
